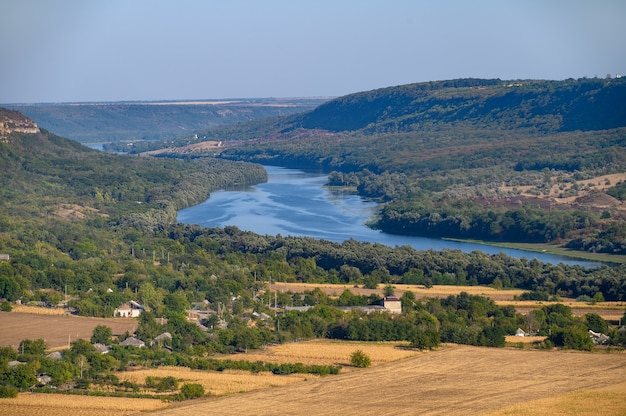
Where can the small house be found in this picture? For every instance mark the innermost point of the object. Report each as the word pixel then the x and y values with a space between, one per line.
pixel 55 355
pixel 5 257
pixel 101 348
pixel 392 304
pixel 133 342
pixel 166 336
pixel 130 309
pixel 520 332
pixel 13 364
pixel 43 379
pixel 598 338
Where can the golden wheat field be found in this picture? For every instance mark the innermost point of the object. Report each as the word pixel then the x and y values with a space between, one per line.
pixel 36 310
pixel 40 404
pixel 326 352
pixel 454 380
pixel 437 291
pixel 215 383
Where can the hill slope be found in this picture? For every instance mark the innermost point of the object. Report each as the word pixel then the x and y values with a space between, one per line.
pixel 42 171
pixel 544 106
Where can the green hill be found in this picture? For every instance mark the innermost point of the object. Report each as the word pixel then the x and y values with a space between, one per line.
pixel 42 171
pixel 544 106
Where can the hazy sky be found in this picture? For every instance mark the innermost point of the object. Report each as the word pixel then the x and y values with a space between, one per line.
pixel 111 50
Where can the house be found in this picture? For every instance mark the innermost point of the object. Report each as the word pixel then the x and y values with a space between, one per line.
pixel 43 379
pixel 166 336
pixel 598 338
pixel 392 304
pixel 130 309
pixel 520 332
pixel 56 355
pixel 133 342
pixel 5 257
pixel 101 348
pixel 13 364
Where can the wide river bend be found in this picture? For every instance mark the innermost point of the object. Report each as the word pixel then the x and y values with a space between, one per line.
pixel 296 203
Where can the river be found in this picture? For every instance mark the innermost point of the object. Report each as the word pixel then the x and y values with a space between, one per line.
pixel 296 203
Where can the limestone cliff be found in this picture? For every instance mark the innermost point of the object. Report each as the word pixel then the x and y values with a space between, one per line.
pixel 14 121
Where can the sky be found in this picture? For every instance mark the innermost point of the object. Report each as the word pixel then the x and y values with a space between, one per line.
pixel 119 50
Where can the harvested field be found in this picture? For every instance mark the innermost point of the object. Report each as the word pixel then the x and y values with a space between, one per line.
pixel 55 329
pixel 514 340
pixel 610 401
pixel 610 311
pixel 36 310
pixel 459 380
pixel 35 404
pixel 216 383
pixel 437 291
pixel 326 352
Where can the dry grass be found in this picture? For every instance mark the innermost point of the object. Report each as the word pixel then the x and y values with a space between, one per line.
pixel 596 184
pixel 215 383
pixel 326 352
pixel 34 404
pixel 55 329
pixel 459 380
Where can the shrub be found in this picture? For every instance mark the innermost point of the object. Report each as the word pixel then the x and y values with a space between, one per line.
pixel 191 391
pixel 7 391
pixel 161 384
pixel 359 359
pixel 6 307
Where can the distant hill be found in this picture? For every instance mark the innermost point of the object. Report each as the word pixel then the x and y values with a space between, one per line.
pixel 112 122
pixel 543 106
pixel 438 126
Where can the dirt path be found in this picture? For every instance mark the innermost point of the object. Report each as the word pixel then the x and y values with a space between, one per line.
pixel 452 381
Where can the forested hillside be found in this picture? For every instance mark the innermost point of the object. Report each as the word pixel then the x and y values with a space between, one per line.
pixel 542 106
pixel 42 172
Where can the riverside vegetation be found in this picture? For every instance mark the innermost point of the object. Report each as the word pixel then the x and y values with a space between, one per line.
pixel 92 230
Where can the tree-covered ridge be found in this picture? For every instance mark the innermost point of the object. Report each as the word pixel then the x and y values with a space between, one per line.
pixel 43 171
pixel 543 106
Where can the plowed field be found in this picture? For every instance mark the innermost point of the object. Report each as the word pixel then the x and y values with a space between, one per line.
pixel 56 330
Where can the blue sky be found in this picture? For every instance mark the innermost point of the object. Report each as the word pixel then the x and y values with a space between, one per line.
pixel 112 50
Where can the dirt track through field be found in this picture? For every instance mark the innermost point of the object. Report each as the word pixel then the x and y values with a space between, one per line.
pixel 452 381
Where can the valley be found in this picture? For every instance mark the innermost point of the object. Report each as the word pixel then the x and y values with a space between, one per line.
pixel 226 316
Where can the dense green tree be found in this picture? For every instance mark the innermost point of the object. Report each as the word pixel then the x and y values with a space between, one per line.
pixel 596 323
pixel 32 347
pixel 102 334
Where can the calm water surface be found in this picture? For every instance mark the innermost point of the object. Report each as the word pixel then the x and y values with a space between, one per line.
pixel 295 203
